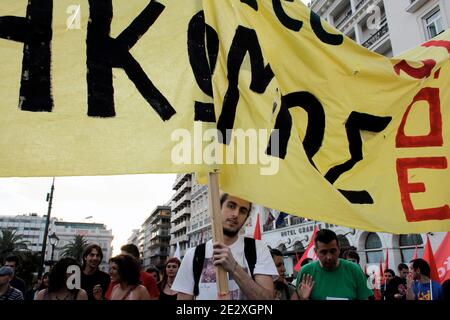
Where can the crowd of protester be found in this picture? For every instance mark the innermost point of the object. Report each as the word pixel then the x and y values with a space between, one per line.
pixel 254 270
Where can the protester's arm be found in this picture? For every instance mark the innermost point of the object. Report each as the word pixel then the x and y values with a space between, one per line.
pixel 40 295
pixel 143 293
pixel 409 288
pixel 82 295
pixel 259 289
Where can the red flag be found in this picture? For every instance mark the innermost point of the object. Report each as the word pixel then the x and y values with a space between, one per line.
pixel 386 261
pixel 416 250
pixel 377 284
pixel 257 232
pixel 442 258
pixel 381 270
pixel 307 253
pixel 429 257
pixel 365 270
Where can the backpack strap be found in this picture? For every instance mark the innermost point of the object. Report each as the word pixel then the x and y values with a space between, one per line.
pixel 199 259
pixel 250 254
pixel 197 265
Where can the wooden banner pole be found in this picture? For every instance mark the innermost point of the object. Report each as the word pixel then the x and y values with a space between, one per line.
pixel 217 231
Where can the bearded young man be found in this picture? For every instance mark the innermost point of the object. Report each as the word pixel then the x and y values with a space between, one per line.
pixel 250 280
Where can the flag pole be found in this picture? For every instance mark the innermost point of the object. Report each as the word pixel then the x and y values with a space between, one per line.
pixel 431 289
pixel 217 231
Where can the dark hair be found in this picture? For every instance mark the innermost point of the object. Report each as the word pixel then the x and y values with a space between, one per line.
pixel 57 278
pixel 422 265
pixel 351 254
pixel 42 285
pixel 128 268
pixel 88 250
pixel 224 198
pixel 402 266
pixel 390 271
pixel 306 261
pixel 276 252
pixel 131 249
pixel 163 281
pixel 325 236
pixel 13 258
pixel 152 269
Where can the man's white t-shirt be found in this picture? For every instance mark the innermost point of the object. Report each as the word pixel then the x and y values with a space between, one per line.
pixel 184 281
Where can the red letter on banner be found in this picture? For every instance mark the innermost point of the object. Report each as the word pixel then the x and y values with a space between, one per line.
pixel 406 188
pixel 434 138
pixel 418 73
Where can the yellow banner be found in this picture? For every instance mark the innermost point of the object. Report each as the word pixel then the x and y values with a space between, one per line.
pixel 363 139
pixel 96 87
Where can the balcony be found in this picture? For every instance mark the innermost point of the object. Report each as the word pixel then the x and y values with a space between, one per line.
pixel 344 19
pixel 159 253
pixel 415 5
pixel 183 238
pixel 377 36
pixel 158 244
pixel 178 227
pixel 184 200
pixel 357 15
pixel 183 212
pixel 180 180
pixel 160 234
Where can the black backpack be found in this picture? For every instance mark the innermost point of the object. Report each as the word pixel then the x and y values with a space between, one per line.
pixel 199 259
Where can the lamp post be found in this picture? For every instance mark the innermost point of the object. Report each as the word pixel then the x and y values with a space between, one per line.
pixel 47 223
pixel 53 238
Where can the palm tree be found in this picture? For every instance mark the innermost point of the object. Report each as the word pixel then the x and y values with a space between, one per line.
pixel 11 243
pixel 75 248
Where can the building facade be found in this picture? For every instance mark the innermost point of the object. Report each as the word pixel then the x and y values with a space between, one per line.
pixel 134 238
pixel 199 230
pixel 386 27
pixel 93 233
pixel 32 228
pixel 181 212
pixel 364 21
pixel 415 21
pixel 157 237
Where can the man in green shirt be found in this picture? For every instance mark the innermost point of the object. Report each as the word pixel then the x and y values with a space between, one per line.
pixel 331 278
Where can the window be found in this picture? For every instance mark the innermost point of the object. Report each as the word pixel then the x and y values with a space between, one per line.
pixel 374 253
pixel 408 243
pixel 434 24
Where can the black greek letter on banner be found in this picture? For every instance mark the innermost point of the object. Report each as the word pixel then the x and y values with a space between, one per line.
pixel 286 20
pixel 203 66
pixel 316 25
pixel 251 3
pixel 356 122
pixel 105 53
pixel 244 40
pixel 35 31
pixel 316 123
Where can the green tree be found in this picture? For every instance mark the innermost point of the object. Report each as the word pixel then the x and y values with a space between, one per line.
pixel 11 243
pixel 29 267
pixel 75 248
